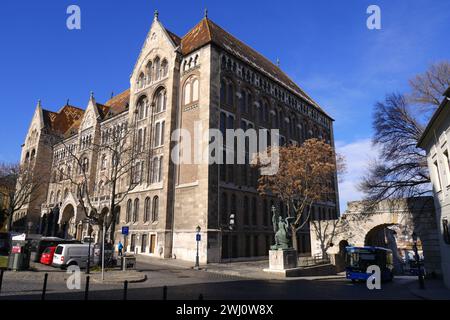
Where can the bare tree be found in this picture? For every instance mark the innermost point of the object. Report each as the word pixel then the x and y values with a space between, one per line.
pixel 125 151
pixel 427 88
pixel 305 176
pixel 19 186
pixel 401 171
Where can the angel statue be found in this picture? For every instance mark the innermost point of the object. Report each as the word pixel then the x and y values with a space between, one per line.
pixel 281 227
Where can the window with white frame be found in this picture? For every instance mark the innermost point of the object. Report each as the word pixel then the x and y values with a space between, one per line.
pixel 158 139
pixel 437 180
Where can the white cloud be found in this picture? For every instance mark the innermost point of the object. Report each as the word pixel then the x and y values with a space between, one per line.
pixel 358 155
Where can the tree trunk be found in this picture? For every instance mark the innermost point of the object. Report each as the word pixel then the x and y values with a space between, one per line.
pixel 294 238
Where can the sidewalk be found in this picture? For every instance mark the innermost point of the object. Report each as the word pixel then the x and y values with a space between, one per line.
pixel 247 269
pixel 37 271
pixel 434 290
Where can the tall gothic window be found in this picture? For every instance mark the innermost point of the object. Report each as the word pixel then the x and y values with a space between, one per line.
pixel 147 209
pixel 155 208
pixel 136 210
pixel 157 67
pixel 164 68
pixel 191 91
pixel 160 100
pixel 128 213
pixel 148 71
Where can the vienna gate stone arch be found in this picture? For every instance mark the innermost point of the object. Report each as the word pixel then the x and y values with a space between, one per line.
pixel 359 226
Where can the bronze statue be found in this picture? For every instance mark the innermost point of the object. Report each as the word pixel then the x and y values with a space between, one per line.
pixel 281 227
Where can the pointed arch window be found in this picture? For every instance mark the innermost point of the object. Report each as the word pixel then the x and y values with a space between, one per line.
pixel 160 100
pixel 128 213
pixel 155 209
pixel 148 71
pixel 191 91
pixel 136 210
pixel 164 68
pixel 157 67
pixel 147 209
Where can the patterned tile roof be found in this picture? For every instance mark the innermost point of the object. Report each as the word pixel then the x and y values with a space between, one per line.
pixel 206 31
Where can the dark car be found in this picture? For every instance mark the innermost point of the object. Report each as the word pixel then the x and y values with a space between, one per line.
pixel 5 243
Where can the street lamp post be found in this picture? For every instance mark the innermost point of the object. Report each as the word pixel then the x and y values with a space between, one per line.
pixel 230 242
pixel 416 254
pixel 197 238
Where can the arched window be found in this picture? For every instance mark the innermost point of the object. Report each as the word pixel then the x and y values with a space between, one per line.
pixel 157 66
pixel 187 93
pixel 147 209
pixel 69 172
pixel 157 134
pixel 230 94
pixel 58 196
pixel 160 100
pixel 148 71
pixel 155 208
pixel 128 213
pixel 33 154
pixel 164 68
pixel 61 174
pixel 136 210
pixel 195 90
pixel 246 211
pixel 141 80
pixel 142 108
pixel 224 214
pixel 100 188
pixel 254 211
pixel 190 91
pixel 223 91
pixel 157 169
pixel 66 193
pixel 85 164
pixel 52 197
pixel 103 162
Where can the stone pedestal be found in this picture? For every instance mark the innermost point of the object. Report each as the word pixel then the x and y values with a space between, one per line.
pixel 282 259
pixel 283 262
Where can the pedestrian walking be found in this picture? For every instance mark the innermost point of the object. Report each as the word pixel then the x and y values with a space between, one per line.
pixel 120 248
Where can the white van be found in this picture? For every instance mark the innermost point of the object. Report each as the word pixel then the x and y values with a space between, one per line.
pixel 72 254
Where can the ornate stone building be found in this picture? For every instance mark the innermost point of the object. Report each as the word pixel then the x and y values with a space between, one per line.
pixel 206 78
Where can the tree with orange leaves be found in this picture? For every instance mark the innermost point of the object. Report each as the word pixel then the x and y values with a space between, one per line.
pixel 306 175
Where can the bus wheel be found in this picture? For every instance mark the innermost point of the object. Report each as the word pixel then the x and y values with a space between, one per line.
pixel 354 280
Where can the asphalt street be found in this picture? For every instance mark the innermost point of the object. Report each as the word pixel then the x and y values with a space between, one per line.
pixel 188 284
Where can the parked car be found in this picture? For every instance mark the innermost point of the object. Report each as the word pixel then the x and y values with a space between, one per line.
pixel 72 254
pixel 39 245
pixel 47 255
pixel 5 243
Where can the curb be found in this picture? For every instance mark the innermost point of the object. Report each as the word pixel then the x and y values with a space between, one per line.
pixel 141 279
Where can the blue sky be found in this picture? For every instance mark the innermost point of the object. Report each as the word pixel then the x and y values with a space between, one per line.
pixel 324 46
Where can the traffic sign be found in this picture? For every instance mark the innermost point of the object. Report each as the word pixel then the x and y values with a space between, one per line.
pixel 125 230
pixel 198 237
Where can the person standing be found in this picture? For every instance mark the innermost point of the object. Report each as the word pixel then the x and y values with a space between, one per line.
pixel 120 248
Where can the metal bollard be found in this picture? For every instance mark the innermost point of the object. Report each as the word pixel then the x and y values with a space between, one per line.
pixel 165 293
pixel 125 289
pixel 1 279
pixel 44 288
pixel 86 289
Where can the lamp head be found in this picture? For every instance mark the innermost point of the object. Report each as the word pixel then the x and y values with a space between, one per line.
pixel 198 229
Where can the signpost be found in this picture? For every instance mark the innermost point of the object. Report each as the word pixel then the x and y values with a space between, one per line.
pixel 125 230
pixel 198 238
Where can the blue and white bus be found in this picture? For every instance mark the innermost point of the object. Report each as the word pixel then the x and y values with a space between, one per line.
pixel 360 258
